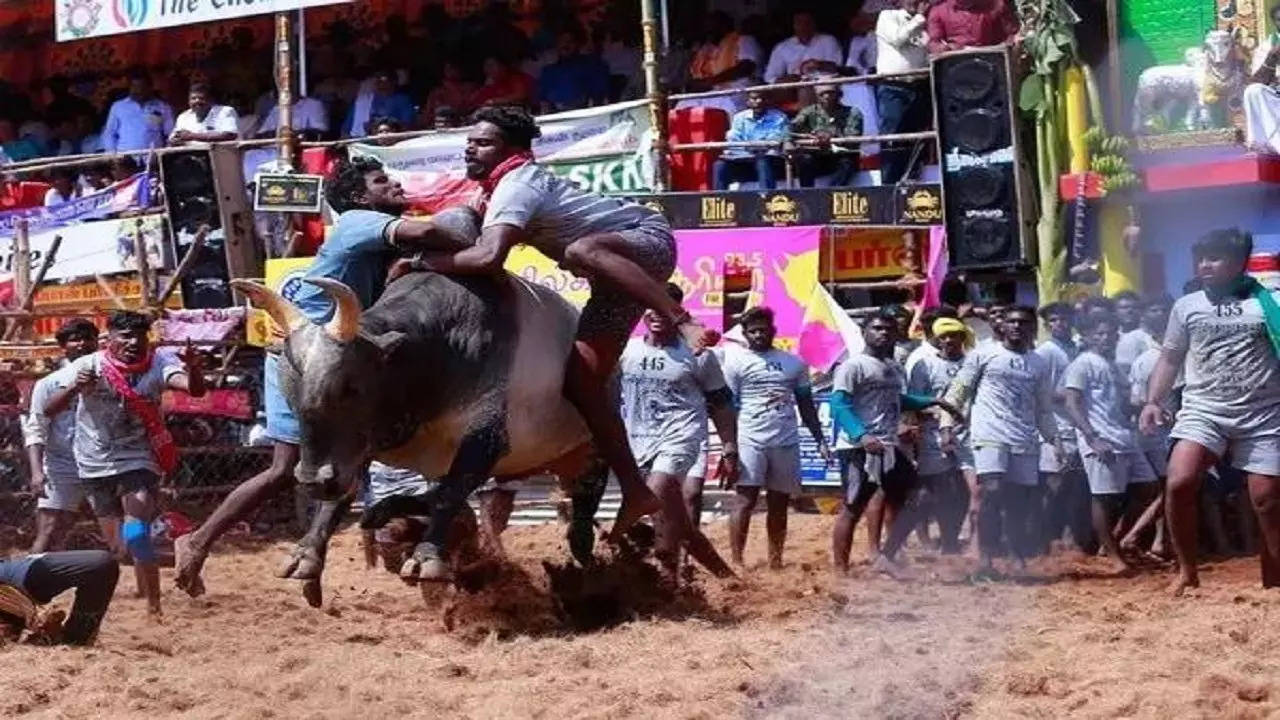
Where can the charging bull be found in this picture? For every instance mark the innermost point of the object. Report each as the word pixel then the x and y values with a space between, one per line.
pixel 458 378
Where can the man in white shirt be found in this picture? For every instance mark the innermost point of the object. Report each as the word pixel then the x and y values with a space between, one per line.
pixel 806 54
pixel 138 121
pixel 770 387
pixel 309 117
pixel 904 106
pixel 203 121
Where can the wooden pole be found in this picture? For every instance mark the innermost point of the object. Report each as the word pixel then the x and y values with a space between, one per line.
pixel 284 90
pixel 1114 94
pixel 656 94
pixel 110 292
pixel 183 267
pixel 29 299
pixel 21 260
pixel 144 267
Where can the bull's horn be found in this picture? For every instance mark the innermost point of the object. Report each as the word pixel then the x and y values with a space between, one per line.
pixel 284 313
pixel 346 313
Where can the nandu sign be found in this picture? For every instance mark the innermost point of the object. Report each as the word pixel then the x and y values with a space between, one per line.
pixel 79 19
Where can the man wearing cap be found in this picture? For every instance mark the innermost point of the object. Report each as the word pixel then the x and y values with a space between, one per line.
pixel 812 131
pixel 31 580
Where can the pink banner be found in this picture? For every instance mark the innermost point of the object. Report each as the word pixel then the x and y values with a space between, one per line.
pixel 784 268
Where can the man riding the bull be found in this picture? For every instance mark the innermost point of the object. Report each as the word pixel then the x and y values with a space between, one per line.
pixel 626 251
pixel 368 233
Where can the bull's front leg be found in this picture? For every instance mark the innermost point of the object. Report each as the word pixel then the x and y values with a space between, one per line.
pixel 473 464
pixel 307 561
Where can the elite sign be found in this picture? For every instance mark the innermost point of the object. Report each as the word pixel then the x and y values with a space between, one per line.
pixel 79 19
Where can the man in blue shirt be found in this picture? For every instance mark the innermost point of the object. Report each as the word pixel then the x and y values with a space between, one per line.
pixel 138 121
pixel 387 101
pixel 576 79
pixel 758 123
pixel 368 233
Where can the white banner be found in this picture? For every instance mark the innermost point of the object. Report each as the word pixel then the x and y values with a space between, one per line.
pixel 93 248
pixel 78 19
pixel 617 129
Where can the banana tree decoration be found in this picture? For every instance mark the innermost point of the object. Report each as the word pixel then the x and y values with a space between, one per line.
pixel 1050 44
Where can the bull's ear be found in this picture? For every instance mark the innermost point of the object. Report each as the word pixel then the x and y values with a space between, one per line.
pixel 388 341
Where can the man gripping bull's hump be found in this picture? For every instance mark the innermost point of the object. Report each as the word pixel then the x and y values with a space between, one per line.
pixel 368 231
pixel 625 250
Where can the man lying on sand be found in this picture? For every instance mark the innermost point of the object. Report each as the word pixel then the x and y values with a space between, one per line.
pixel 27 581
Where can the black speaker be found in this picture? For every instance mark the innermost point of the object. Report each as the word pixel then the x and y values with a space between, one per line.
pixel 985 185
pixel 191 195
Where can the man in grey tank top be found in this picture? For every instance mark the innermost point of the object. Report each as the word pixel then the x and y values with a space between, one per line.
pixel 1226 341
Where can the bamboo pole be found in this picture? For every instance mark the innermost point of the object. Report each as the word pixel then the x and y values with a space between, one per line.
pixel 29 298
pixel 110 292
pixel 185 266
pixel 284 90
pixel 21 259
pixel 655 93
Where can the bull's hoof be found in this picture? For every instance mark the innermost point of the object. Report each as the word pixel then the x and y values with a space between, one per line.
pixel 425 565
pixel 304 564
pixel 312 592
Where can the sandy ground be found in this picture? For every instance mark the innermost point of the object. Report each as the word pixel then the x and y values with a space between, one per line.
pixel 796 643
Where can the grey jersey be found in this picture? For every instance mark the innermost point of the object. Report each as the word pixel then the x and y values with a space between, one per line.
pixel 1105 394
pixel 931 374
pixel 1231 371
pixel 56 433
pixel 1139 378
pixel 1012 395
pixel 1058 355
pixel 1131 345
pixel 875 388
pixel 109 439
pixel 556 212
pixel 664 400
pixel 765 386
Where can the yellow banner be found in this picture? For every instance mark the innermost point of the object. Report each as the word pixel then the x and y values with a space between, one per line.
pixel 856 254
pixel 280 273
pixel 533 266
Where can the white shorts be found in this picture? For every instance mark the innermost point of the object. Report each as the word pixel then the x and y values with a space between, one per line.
pixel 1115 477
pixel 674 461
pixel 1016 468
pixel 1255 453
pixel 777 469
pixel 63 494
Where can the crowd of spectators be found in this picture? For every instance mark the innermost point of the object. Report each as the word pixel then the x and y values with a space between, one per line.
pixel 431 73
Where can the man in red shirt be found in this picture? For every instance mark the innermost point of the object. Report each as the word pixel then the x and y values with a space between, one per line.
pixel 956 24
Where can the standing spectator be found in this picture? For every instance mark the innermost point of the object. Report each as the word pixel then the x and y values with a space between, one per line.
pixel 1097 400
pixel 138 121
pixel 1128 310
pixel 861 59
pixel 727 59
pixel 904 106
pixel 806 54
pixel 1063 482
pixel 503 85
pixel 812 130
pixel 55 479
pixel 1012 394
pixel 454 92
pixel 64 187
pixel 122 448
pixel 769 386
pixel 958 24
pixel 1148 334
pixel 381 98
pixel 204 121
pixel 576 79
pixel 759 122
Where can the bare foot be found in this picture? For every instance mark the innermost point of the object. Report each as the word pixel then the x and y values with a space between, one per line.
pixel 642 503
pixel 698 337
pixel 885 566
pixel 188 562
pixel 1182 584
pixel 1120 568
